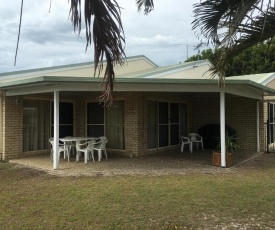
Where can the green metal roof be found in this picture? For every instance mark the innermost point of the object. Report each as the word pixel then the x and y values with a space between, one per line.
pixel 263 78
pixel 187 73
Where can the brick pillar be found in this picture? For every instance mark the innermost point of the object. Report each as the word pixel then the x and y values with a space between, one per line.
pixel 135 124
pixel 12 121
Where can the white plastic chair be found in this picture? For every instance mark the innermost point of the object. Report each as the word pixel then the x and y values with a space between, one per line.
pixel 70 146
pixel 88 148
pixel 61 148
pixel 196 138
pixel 186 141
pixel 100 145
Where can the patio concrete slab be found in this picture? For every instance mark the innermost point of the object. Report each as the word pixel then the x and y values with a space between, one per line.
pixel 156 164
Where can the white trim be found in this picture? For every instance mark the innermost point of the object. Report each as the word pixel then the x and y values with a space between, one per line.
pixel 243 91
pixel 56 131
pixel 222 124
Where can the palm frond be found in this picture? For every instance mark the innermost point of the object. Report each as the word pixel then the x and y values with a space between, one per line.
pixel 108 38
pixel 211 16
pixel 75 12
pixel 262 30
pixel 233 26
pixel 148 5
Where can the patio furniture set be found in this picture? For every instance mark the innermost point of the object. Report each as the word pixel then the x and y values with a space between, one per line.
pixel 78 145
pixel 190 140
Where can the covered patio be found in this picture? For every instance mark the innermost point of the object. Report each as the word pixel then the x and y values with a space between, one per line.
pixel 166 163
pixel 154 107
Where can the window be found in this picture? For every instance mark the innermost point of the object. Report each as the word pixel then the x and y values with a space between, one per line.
pixel 107 122
pixel 95 120
pixel 66 119
pixel 36 125
pixel 271 123
pixel 165 122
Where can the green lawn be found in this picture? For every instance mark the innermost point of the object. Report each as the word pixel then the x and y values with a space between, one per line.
pixel 243 199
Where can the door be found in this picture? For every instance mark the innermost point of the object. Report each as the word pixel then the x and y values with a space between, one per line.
pixel 166 121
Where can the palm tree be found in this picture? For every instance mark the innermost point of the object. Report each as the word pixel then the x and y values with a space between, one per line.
pixel 233 26
pixel 106 33
pixel 108 36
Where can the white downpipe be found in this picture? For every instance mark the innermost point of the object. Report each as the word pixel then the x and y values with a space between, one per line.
pixel 222 124
pixel 56 131
pixel 258 126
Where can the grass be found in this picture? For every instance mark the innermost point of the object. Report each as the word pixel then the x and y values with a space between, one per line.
pixel 31 199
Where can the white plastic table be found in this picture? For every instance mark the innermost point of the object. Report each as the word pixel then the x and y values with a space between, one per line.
pixel 77 141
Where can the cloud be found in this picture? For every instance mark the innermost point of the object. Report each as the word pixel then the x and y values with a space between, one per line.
pixel 165 35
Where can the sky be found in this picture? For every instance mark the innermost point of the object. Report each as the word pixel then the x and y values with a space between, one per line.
pixel 47 39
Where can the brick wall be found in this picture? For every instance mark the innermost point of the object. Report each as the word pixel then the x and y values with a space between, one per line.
pixel 134 124
pixel 240 114
pixel 12 135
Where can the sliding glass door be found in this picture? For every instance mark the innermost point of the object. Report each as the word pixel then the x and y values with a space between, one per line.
pixel 36 125
pixel 165 122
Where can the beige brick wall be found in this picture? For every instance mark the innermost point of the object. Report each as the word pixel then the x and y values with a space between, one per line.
pixel 135 127
pixel 204 110
pixel 12 127
pixel 240 115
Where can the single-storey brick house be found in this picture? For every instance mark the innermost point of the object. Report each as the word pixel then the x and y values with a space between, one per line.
pixel 152 107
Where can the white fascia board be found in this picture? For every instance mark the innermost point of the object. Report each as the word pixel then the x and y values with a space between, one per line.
pixel 32 90
pixel 244 91
pixel 97 87
pixel 159 87
pixel 123 87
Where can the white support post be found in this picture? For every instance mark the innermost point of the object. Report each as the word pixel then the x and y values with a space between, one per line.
pixel 258 126
pixel 56 131
pixel 222 124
